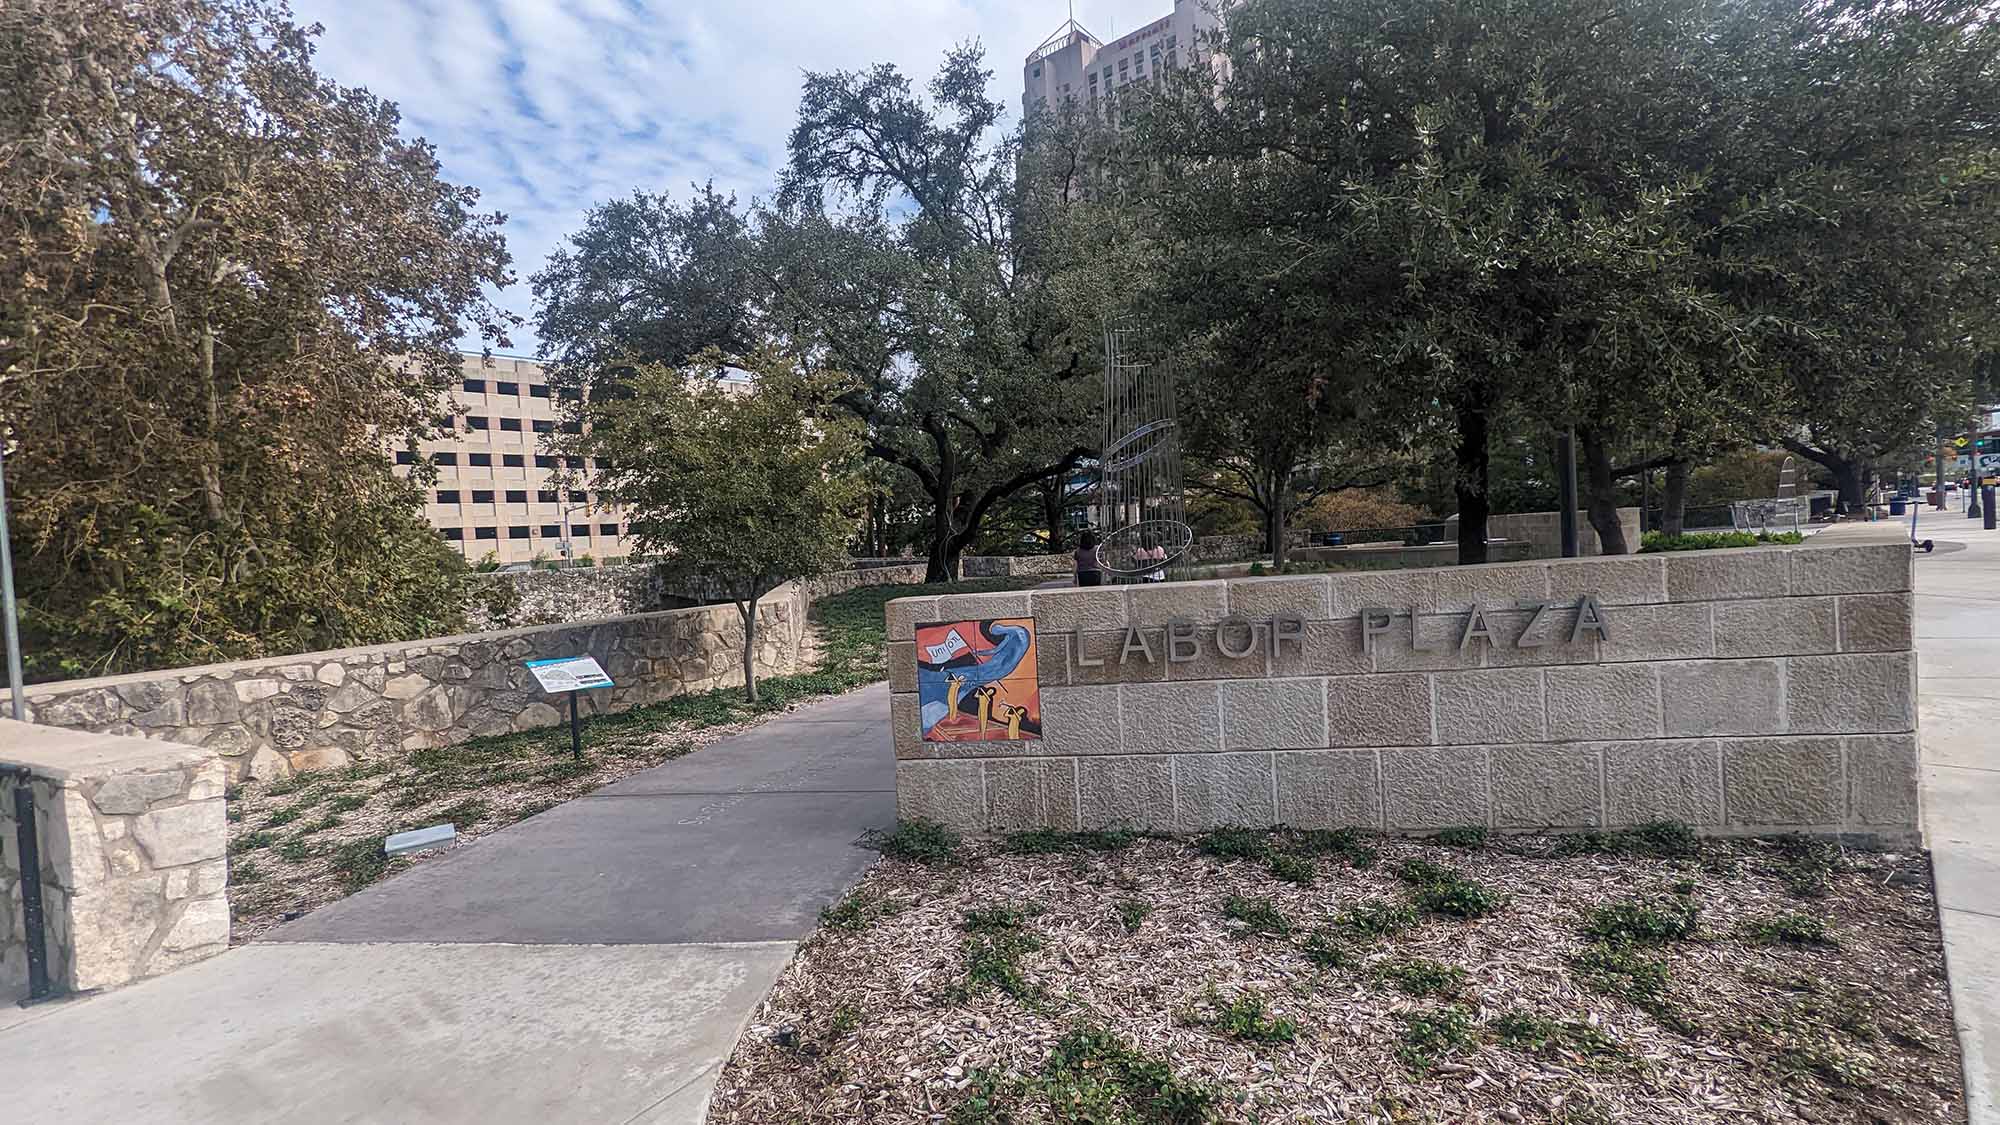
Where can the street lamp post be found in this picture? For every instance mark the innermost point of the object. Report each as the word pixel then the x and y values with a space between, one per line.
pixel 13 627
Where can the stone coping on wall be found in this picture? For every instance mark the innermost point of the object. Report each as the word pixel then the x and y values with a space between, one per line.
pixel 132 837
pixel 1739 690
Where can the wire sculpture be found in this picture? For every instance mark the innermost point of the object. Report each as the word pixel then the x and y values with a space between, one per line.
pixel 1139 493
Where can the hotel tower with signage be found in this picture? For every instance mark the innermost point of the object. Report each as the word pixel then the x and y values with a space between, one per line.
pixel 1073 63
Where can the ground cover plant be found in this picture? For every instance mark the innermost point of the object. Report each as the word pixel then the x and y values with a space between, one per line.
pixel 1643 975
pixel 299 842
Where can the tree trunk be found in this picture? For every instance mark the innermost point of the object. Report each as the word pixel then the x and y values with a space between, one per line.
pixel 1052 512
pixel 943 557
pixel 1673 504
pixel 1851 478
pixel 1278 533
pixel 1600 491
pixel 1474 502
pixel 749 611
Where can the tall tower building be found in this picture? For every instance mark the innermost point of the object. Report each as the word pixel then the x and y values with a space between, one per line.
pixel 1073 63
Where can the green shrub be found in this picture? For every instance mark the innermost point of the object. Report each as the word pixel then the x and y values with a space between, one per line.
pixel 1261 915
pixel 1377 919
pixel 1469 836
pixel 1326 949
pixel 1654 922
pixel 917 841
pixel 1420 977
pixel 1132 913
pixel 1789 929
pixel 360 862
pixel 1655 541
pixel 1049 841
pixel 1640 980
pixel 1431 1037
pixel 1664 839
pixel 1235 843
pixel 1246 1018
pixel 1444 890
pixel 1344 843
pixel 1093 1077
pixel 1293 869
pixel 996 938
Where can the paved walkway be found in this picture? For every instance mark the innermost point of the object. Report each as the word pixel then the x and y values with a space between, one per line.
pixel 1958 681
pixel 593 964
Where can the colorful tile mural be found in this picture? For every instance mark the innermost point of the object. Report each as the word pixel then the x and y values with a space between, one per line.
pixel 977 681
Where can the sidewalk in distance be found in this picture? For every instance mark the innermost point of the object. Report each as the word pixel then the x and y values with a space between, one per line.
pixel 1958 654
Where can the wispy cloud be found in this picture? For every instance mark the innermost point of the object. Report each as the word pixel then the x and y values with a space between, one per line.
pixel 549 106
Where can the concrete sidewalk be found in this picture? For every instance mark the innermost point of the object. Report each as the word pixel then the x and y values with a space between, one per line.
pixel 595 963
pixel 1958 682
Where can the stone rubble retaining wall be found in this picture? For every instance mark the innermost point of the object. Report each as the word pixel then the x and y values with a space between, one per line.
pixel 1017 566
pixel 1740 691
pixel 515 599
pixel 267 718
pixel 132 839
pixel 318 710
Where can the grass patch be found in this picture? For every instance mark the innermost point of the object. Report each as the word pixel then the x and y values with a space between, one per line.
pixel 1420 977
pixel 245 872
pixel 1444 890
pixel 284 816
pixel 1132 913
pixel 1293 869
pixel 1048 841
pixel 1645 922
pixel 1245 1018
pixel 1661 839
pixel 1789 929
pixel 1378 919
pixel 1468 836
pixel 1637 979
pixel 917 841
pixel 1344 843
pixel 1431 1037
pixel 1234 843
pixel 1258 915
pixel 294 851
pixel 286 786
pixel 346 802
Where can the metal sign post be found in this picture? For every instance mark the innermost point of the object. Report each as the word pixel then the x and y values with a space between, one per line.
pixel 571 674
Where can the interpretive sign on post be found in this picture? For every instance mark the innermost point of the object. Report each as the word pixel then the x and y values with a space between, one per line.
pixel 571 674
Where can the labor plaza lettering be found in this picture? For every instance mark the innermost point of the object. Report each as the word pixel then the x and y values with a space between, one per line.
pixel 1180 641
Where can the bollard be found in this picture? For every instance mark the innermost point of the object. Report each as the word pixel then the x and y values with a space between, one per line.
pixel 1986 498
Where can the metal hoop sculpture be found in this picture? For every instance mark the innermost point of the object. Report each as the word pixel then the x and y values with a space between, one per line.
pixel 1117 554
pixel 1139 497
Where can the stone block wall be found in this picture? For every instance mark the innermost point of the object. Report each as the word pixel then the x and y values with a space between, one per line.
pixel 1740 691
pixel 1542 531
pixel 132 839
pixel 1017 566
pixel 515 599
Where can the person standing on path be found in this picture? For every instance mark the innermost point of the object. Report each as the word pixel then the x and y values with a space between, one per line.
pixel 1089 572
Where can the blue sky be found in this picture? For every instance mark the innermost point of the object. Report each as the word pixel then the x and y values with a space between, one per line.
pixel 547 106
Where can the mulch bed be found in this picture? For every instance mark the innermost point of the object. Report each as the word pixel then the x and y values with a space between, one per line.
pixel 1006 987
